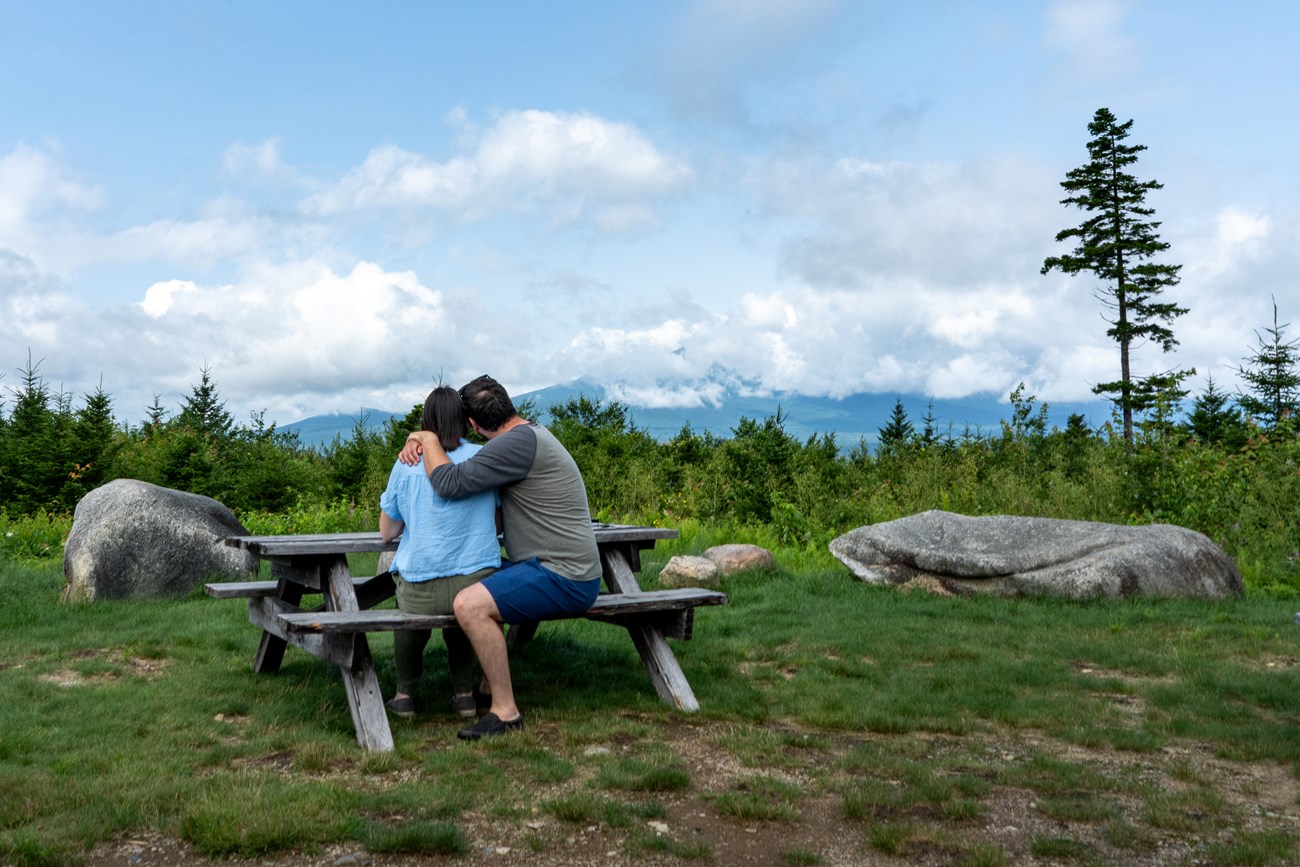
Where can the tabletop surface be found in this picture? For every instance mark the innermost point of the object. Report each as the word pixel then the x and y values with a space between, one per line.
pixel 360 543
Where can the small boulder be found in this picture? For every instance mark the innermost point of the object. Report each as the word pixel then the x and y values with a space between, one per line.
pixel 689 571
pixel 134 540
pixel 734 558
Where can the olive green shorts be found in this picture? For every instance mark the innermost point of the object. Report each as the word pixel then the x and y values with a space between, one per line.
pixel 436 595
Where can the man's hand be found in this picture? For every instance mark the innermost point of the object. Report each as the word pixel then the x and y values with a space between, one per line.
pixel 414 448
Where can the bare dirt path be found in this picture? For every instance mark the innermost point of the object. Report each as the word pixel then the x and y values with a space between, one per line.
pixel 1012 825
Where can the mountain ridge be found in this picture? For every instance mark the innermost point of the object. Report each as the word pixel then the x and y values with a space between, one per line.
pixel 852 419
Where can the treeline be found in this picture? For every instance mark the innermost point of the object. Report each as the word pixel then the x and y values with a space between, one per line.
pixel 1214 470
pixel 52 453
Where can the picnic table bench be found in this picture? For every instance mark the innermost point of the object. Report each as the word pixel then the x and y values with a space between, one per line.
pixel 336 630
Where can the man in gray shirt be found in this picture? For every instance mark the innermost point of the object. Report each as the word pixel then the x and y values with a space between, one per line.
pixel 554 566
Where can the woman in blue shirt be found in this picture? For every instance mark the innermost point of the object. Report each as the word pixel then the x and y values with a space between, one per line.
pixel 446 545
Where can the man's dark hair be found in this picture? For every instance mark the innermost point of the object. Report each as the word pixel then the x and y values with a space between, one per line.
pixel 487 403
pixel 445 416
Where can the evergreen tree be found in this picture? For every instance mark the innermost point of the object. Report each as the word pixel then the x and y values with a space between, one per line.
pixel 1214 420
pixel 930 426
pixel 193 450
pixel 29 464
pixel 156 415
pixel 1272 375
pixel 94 442
pixel 1160 397
pixel 898 433
pixel 757 464
pixel 1117 244
pixel 1075 441
pixel 204 411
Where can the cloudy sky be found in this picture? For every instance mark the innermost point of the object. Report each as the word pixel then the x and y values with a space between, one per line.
pixel 332 205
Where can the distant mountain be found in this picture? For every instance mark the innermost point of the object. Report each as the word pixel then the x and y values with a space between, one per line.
pixel 851 419
pixel 319 430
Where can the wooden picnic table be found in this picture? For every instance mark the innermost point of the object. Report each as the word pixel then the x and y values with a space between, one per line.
pixel 336 631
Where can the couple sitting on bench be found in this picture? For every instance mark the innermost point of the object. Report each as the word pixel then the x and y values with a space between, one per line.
pixel 442 499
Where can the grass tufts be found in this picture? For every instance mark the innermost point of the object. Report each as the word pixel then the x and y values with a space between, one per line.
pixel 415 837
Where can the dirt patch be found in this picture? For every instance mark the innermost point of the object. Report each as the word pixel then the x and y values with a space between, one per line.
pixel 1009 816
pixel 103 666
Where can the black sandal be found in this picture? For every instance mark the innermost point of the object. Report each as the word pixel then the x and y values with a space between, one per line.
pixel 491 725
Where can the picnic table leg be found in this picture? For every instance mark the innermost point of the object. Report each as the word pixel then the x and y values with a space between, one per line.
pixel 662 666
pixel 365 701
pixel 520 634
pixel 657 657
pixel 270 650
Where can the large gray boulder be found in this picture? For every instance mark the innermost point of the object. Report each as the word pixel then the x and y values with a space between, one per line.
pixel 1013 556
pixel 134 540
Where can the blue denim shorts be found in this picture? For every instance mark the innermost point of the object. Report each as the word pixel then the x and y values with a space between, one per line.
pixel 527 591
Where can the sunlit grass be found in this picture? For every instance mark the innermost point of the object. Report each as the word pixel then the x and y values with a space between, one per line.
pixel 122 717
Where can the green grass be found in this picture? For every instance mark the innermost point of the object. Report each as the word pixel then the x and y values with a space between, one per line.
pixel 761 799
pixel 415 838
pixel 656 773
pixel 907 717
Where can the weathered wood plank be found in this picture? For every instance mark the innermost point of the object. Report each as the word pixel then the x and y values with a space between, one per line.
pixel 366 702
pixel 265 611
pixel 239 589
pixel 656 600
pixel 360 681
pixel 387 620
pixel 270 648
pixel 617 572
pixel 306 544
pixel 673 624
pixel 619 608
pixel 371 591
pixel 628 533
pixel 665 671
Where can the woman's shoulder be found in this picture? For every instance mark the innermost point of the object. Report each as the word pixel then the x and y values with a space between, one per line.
pixel 464 451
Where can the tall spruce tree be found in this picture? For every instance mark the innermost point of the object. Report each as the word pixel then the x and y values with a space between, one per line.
pixel 204 411
pixel 29 453
pixel 1214 419
pixel 1117 244
pixel 1272 376
pixel 899 432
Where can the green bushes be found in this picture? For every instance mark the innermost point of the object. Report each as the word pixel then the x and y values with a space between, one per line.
pixel 1239 491
pixel 36 536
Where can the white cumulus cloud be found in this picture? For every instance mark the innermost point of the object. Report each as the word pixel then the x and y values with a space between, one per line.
pixel 576 163
pixel 32 182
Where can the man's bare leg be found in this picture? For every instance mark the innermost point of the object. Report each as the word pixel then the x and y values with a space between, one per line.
pixel 478 616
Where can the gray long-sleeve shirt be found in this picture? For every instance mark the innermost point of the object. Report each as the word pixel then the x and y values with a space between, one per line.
pixel 543 498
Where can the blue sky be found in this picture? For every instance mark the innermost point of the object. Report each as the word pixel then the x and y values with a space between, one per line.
pixel 334 205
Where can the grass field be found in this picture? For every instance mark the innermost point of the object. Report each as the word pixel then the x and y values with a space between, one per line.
pixel 839 724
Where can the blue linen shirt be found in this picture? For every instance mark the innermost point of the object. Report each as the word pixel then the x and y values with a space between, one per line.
pixel 441 537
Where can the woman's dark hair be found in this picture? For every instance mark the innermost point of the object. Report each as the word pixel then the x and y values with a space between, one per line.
pixel 445 416
pixel 487 403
